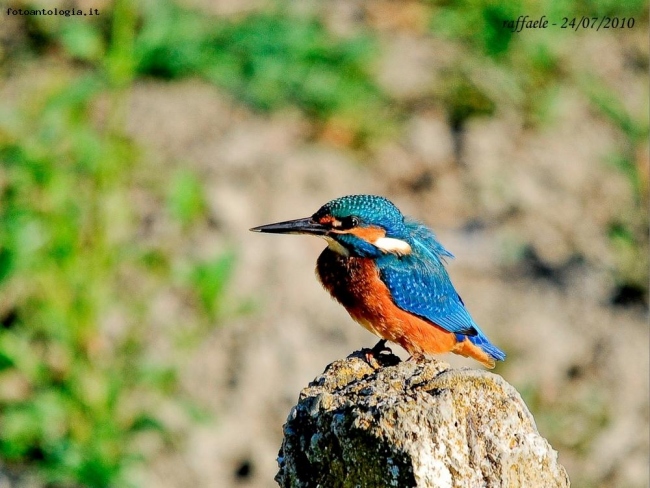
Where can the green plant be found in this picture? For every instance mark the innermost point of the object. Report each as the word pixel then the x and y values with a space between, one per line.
pixel 513 69
pixel 186 200
pixel 629 233
pixel 501 70
pixel 270 61
pixel 497 67
pixel 633 127
pixel 78 384
pixel 63 223
pixel 208 279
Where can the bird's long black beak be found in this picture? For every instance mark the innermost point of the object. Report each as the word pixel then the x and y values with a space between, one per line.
pixel 298 226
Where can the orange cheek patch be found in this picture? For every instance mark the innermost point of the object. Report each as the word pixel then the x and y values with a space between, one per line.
pixel 370 234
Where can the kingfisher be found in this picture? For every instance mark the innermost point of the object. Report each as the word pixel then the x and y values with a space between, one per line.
pixel 388 271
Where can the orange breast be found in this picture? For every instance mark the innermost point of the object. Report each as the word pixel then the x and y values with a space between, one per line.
pixel 355 283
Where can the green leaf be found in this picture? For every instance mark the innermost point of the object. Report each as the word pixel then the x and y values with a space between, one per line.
pixel 186 200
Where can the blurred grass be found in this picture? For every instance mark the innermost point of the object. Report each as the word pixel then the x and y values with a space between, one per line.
pixel 570 419
pixel 528 65
pixel 78 383
pixel 523 72
pixel 270 61
pixel 69 383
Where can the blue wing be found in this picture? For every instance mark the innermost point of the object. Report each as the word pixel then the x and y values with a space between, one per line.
pixel 419 283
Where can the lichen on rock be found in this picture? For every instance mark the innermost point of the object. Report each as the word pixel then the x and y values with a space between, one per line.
pixel 413 424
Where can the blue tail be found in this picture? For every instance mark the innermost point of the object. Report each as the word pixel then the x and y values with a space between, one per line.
pixel 484 343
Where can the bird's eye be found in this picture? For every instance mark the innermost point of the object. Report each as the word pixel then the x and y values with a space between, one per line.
pixel 349 222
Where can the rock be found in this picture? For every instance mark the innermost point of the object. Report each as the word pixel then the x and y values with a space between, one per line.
pixel 413 424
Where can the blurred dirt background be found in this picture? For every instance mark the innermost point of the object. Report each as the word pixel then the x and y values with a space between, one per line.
pixel 527 153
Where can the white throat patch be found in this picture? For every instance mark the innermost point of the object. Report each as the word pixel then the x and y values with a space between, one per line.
pixel 336 247
pixel 394 246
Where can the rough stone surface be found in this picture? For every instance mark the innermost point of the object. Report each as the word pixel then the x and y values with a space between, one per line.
pixel 413 424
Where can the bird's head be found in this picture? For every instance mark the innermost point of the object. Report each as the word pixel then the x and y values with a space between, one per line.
pixel 366 226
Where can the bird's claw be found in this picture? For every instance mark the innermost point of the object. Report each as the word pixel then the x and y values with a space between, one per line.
pixel 380 347
pixel 380 355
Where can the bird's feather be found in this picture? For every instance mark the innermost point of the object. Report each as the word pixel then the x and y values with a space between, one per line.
pixel 419 283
